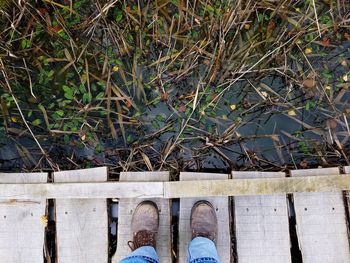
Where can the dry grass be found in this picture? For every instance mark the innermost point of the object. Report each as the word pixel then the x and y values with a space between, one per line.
pixel 90 72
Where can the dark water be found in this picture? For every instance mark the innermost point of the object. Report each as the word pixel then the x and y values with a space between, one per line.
pixel 264 135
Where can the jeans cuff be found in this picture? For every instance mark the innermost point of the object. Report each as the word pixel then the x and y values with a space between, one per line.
pixel 146 252
pixel 206 260
pixel 151 260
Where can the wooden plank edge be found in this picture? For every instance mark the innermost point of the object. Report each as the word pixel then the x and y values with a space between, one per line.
pixel 179 189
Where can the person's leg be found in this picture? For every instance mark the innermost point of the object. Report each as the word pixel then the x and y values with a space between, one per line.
pixel 145 254
pixel 202 249
pixel 204 225
pixel 144 226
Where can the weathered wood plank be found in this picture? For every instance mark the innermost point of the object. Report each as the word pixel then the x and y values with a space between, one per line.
pixel 126 209
pixel 22 230
pixel 261 224
pixel 81 224
pixel 321 222
pixel 236 187
pixel 221 205
pixel 347 194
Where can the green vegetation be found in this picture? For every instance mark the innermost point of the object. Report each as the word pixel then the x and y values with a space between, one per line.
pixel 175 84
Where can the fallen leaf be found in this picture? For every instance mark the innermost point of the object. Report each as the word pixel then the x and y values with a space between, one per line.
pixel 246 104
pixel 264 94
pixel 233 106
pixel 326 42
pixel 55 29
pixel 344 63
pixel 43 11
pixel 271 25
pixel 214 97
pixel 308 51
pixel 128 103
pixel 292 113
pixel 247 26
pixel 165 96
pixel 345 78
pixel 115 68
pixel 309 83
pixel 304 164
pixel 332 123
pixel 347 36
pixel 182 108
pixel 44 220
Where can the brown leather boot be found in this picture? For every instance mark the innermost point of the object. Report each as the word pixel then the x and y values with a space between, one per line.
pixel 204 222
pixel 144 225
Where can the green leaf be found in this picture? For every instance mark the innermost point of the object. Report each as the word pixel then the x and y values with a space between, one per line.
pixel 25 43
pixel 100 95
pixel 130 138
pixel 119 62
pixel 36 122
pixel 87 98
pixel 68 92
pixel 60 113
pixel 66 138
pixel 119 16
pixel 68 96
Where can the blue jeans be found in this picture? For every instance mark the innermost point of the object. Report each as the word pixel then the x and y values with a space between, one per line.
pixel 200 250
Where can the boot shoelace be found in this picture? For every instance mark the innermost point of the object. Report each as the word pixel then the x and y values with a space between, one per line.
pixel 142 238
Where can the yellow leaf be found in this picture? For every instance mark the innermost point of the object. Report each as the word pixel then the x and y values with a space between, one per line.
pixel 233 106
pixel 292 113
pixel 247 26
pixel 14 119
pixel 115 68
pixel 83 78
pixel 308 51
pixel 44 220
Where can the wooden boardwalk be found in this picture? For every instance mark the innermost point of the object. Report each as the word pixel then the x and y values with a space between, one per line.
pixel 261 225
pixel 126 208
pixel 255 213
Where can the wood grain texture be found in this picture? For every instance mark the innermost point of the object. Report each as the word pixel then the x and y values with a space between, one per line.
pixel 321 222
pixel 126 209
pixel 21 229
pixel 202 188
pixel 261 224
pixel 82 224
pixel 221 205
pixel 347 194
